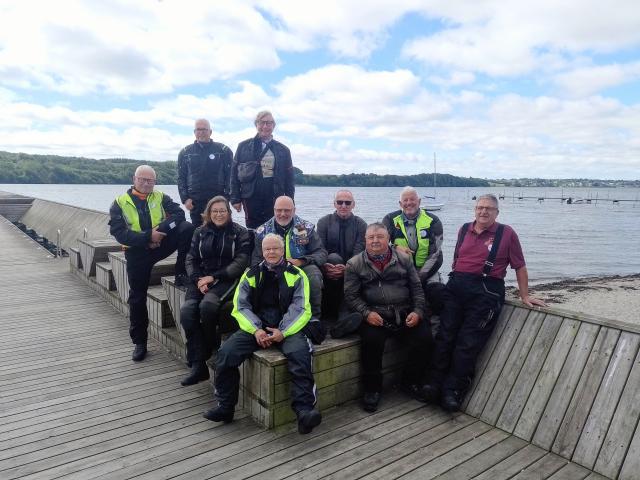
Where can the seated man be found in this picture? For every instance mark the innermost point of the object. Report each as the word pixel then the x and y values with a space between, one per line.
pixel 303 247
pixel 271 305
pixel 383 286
pixel 419 234
pixel 342 234
pixel 151 226
pixel 219 254
pixel 473 299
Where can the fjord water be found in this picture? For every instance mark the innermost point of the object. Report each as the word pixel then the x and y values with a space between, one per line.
pixel 560 241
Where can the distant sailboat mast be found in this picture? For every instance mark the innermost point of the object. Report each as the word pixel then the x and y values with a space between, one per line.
pixel 435 205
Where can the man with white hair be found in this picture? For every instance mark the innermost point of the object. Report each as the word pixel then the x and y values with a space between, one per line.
pixel 261 172
pixel 271 306
pixel 303 247
pixel 150 226
pixel 203 171
pixel 419 233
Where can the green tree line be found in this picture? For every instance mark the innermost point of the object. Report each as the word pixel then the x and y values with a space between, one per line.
pixel 28 168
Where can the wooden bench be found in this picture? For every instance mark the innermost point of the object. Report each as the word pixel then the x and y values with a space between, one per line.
pixel 565 382
pixel 104 276
pixel 94 251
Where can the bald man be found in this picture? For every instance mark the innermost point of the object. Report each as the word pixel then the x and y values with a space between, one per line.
pixel 204 167
pixel 150 226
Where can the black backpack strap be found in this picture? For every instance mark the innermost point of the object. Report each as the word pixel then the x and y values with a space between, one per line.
pixel 488 263
pixel 461 234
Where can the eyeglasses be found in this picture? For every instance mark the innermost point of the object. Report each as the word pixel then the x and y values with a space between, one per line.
pixel 344 202
pixel 266 123
pixel 149 181
pixel 200 129
pixel 488 209
pixel 217 212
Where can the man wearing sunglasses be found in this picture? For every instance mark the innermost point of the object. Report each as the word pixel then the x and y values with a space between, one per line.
pixel 342 234
pixel 150 226
pixel 203 171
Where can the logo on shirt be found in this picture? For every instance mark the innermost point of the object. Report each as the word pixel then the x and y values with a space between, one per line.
pixel 489 243
pixel 212 156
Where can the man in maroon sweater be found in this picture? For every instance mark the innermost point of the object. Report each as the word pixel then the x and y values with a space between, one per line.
pixel 473 300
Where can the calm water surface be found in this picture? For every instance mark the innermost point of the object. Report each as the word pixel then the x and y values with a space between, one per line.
pixel 559 240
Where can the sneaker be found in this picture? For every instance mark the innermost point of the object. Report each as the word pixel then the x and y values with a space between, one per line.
pixel 308 420
pixel 346 325
pixel 139 352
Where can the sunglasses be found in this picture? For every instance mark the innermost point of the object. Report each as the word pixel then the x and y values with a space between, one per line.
pixel 344 202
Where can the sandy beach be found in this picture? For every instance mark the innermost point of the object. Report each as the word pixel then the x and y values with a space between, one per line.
pixel 613 297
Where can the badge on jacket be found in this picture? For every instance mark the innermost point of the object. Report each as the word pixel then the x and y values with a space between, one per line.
pixel 424 233
pixel 300 234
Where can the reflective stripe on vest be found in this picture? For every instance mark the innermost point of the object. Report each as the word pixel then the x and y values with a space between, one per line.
pixel 423 222
pixel 130 212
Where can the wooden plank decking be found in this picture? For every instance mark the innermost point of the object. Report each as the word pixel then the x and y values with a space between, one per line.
pixel 73 405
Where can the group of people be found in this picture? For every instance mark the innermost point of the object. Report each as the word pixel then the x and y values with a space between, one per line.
pixel 286 277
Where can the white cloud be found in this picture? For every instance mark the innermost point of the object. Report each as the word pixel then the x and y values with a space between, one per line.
pixel 515 38
pixel 158 48
pixel 582 82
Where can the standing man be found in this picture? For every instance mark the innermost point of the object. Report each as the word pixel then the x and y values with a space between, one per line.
pixel 261 172
pixel 271 305
pixel 150 226
pixel 382 285
pixel 342 234
pixel 419 234
pixel 204 167
pixel 473 299
pixel 303 247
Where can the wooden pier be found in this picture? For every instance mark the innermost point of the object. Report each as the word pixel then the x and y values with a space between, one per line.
pixel 73 405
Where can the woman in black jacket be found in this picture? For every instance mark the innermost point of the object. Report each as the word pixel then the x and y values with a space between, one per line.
pixel 220 252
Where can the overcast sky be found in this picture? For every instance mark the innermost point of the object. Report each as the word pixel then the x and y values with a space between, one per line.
pixel 542 88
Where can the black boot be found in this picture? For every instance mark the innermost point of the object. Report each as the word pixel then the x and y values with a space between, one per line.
pixel 452 400
pixel 219 414
pixel 139 352
pixel 308 420
pixel 199 372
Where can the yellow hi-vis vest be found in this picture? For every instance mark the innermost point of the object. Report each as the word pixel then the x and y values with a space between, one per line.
pixel 130 212
pixel 423 222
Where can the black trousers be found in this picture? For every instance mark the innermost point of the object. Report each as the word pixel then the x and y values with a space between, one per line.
pixel 140 262
pixel 297 348
pixel 418 341
pixel 472 306
pixel 199 318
